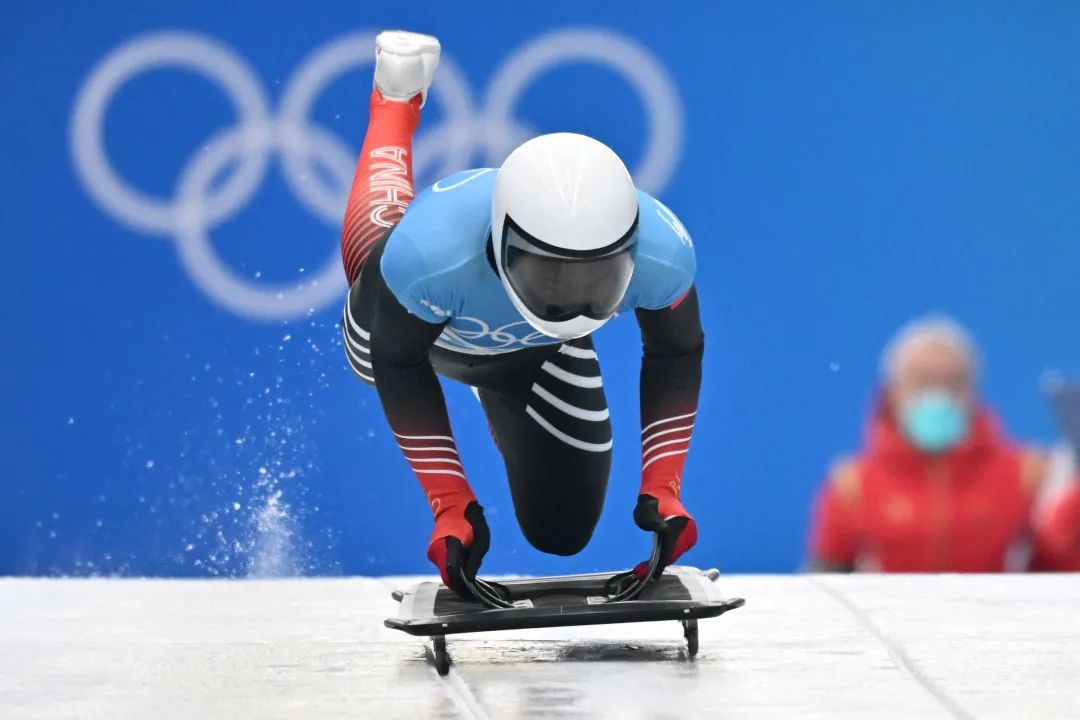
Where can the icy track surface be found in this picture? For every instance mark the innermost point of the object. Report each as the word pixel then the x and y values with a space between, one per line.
pixel 809 646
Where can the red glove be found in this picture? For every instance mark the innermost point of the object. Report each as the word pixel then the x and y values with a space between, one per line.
pixel 458 544
pixel 667 516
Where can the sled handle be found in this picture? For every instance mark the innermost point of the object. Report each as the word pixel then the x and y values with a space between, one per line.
pixel 484 593
pixel 639 584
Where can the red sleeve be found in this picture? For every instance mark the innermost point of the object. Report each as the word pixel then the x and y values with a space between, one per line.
pixel 414 405
pixel 833 536
pixel 1057 533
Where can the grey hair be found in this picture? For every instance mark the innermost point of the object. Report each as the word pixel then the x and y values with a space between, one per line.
pixel 936 328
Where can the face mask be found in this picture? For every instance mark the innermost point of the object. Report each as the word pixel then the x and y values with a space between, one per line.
pixel 935 421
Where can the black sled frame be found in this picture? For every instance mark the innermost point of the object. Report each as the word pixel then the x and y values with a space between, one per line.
pixel 684 594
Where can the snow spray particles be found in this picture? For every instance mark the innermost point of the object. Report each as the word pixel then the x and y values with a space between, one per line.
pixel 256 526
pixel 273 554
pixel 237 491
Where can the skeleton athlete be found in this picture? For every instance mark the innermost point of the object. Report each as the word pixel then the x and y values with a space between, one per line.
pixel 496 277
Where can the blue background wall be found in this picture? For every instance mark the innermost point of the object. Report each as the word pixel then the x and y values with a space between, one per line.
pixel 842 167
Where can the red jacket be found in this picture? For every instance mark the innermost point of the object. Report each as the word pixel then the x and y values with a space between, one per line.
pixel 896 509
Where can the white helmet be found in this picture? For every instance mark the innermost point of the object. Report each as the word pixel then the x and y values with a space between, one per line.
pixel 564 219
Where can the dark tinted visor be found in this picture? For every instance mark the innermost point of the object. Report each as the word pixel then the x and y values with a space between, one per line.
pixel 556 286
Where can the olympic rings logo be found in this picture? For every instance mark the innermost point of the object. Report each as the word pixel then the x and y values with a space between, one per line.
pixel 456 338
pixel 465 134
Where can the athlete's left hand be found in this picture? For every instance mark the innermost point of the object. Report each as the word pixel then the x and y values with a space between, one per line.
pixel 666 516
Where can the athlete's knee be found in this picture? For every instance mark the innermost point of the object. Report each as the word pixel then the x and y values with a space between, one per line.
pixel 564 532
pixel 558 541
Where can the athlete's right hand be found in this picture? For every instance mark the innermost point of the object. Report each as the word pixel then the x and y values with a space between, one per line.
pixel 458 544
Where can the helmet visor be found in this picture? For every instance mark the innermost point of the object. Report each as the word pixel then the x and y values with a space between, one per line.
pixel 558 286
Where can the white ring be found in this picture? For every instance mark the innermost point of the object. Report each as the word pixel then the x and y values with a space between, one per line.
pixel 311 79
pixel 634 64
pixel 217 63
pixel 258 301
pixel 454 139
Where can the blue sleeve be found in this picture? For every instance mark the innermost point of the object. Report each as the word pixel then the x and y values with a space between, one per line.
pixel 408 277
pixel 666 262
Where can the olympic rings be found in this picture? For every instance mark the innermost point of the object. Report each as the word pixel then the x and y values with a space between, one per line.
pixel 467 132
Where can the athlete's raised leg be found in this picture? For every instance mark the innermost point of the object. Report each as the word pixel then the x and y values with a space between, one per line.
pixel 383 184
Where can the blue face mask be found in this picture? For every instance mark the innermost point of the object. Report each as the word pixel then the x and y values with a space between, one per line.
pixel 935 421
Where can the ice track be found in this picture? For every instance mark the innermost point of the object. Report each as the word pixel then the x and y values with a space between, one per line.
pixel 804 646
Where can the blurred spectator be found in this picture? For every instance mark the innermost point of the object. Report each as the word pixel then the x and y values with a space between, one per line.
pixel 937 486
